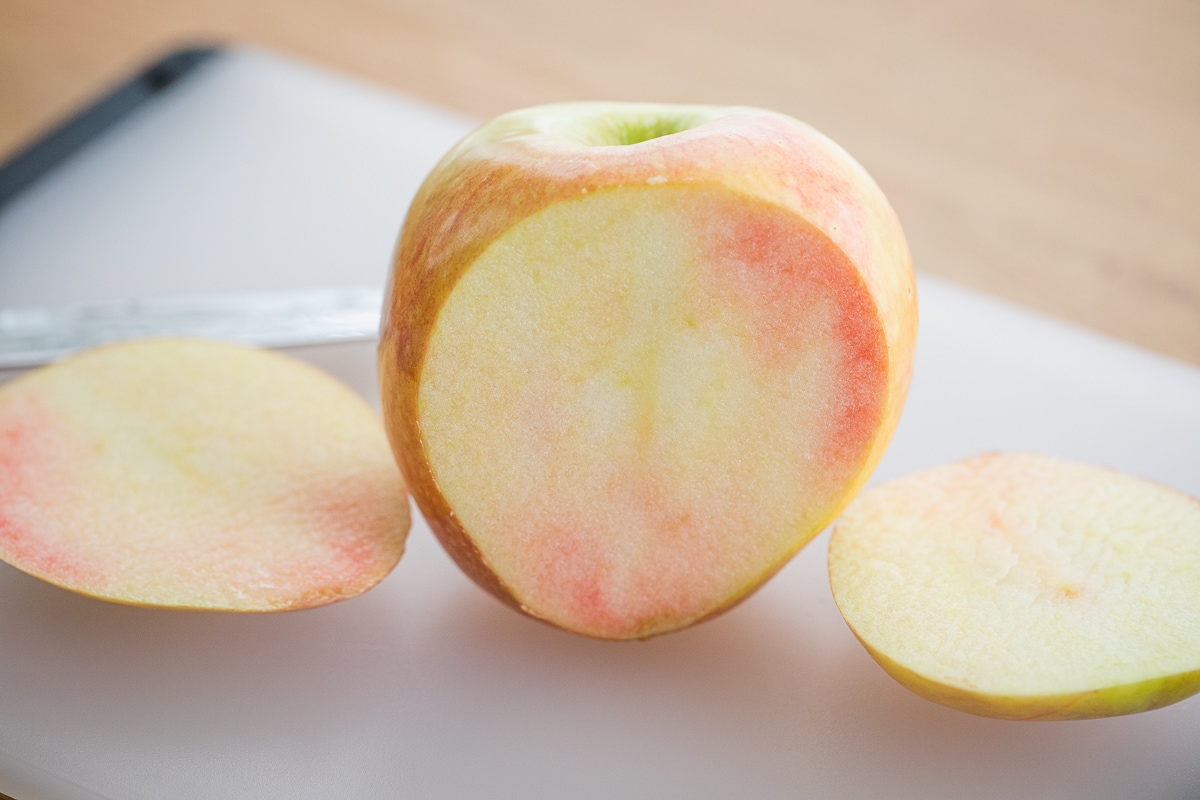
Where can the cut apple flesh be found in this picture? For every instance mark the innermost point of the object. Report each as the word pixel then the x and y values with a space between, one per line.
pixel 197 475
pixel 1023 587
pixel 641 402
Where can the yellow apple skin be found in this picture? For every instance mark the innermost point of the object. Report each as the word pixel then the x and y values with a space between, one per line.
pixel 199 475
pixel 1019 586
pixel 1111 701
pixel 523 163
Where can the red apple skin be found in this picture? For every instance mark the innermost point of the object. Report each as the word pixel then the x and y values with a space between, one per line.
pixel 521 163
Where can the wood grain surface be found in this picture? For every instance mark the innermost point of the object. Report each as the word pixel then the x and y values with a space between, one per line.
pixel 1045 152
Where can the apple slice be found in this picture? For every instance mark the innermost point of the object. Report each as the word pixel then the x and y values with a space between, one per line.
pixel 1024 587
pixel 197 475
pixel 636 356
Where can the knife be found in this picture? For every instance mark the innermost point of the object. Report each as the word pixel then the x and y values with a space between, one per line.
pixel 33 336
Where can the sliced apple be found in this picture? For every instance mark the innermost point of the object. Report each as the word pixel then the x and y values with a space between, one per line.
pixel 636 356
pixel 1023 587
pixel 197 475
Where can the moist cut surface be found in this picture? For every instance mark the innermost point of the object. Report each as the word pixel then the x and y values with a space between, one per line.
pixel 640 402
pixel 197 475
pixel 1022 586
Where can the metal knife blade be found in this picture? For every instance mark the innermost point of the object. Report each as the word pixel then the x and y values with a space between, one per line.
pixel 37 335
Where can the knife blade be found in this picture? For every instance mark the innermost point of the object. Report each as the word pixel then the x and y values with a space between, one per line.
pixel 32 336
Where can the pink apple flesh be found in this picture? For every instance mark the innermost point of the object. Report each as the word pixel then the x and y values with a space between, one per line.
pixel 1024 587
pixel 624 385
pixel 196 475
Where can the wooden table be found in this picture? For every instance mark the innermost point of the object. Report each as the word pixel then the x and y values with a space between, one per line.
pixel 1046 152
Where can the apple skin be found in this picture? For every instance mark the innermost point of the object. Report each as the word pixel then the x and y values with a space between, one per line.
pixel 1112 701
pixel 525 162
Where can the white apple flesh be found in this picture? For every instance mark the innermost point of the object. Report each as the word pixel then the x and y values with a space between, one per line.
pixel 636 356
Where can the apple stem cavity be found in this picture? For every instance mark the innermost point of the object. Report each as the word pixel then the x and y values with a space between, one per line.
pixel 645 128
pixel 595 125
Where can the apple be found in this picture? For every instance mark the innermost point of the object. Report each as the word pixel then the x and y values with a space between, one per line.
pixel 1020 586
pixel 635 356
pixel 193 474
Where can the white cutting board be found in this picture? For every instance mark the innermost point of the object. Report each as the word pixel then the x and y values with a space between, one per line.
pixel 265 174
